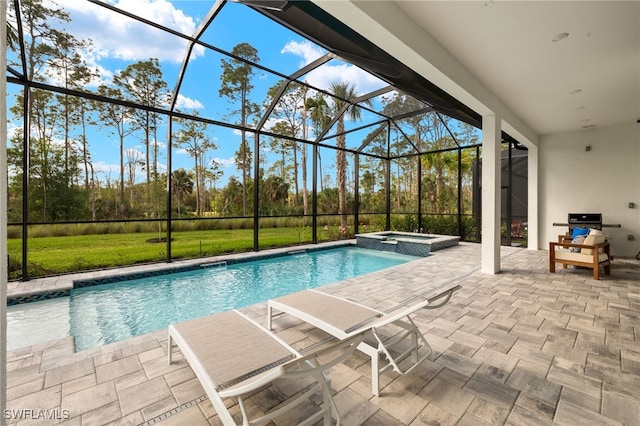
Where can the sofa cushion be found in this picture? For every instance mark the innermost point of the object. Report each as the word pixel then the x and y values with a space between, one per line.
pixel 564 254
pixel 591 240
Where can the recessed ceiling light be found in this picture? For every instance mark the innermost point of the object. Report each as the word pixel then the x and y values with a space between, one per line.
pixel 573 92
pixel 560 36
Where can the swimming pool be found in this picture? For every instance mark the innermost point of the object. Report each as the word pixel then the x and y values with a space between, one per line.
pixel 108 313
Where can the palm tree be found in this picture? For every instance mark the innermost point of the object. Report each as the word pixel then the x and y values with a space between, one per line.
pixel 318 110
pixel 181 184
pixel 345 94
pixel 12 37
pixel 441 163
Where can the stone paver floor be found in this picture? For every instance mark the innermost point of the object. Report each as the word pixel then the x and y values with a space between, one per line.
pixel 522 347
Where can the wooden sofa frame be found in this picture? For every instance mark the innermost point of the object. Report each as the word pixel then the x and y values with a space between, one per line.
pixel 593 262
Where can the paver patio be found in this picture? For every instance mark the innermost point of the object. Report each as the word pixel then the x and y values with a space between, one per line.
pixel 522 347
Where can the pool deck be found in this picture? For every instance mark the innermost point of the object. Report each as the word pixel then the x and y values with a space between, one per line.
pixel 522 347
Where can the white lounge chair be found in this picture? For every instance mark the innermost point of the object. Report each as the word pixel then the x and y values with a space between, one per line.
pixel 344 318
pixel 233 356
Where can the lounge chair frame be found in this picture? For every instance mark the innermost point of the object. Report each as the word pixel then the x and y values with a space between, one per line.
pixel 288 367
pixel 399 316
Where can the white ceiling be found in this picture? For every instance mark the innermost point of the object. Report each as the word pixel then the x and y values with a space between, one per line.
pixel 591 78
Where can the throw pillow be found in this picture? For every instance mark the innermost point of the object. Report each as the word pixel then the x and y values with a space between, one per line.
pixel 577 231
pixel 577 240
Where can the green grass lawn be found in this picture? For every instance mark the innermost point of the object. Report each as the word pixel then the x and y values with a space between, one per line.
pixel 64 254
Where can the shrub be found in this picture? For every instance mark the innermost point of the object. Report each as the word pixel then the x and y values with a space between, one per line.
pixel 38 231
pixel 15 267
pixel 201 225
pixel 116 228
pixel 468 228
pixel 404 223
pixel 14 232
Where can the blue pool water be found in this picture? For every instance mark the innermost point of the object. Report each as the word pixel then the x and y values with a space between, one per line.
pixel 111 312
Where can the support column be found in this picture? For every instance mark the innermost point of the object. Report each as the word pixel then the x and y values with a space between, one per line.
pixel 3 214
pixel 532 198
pixel 491 176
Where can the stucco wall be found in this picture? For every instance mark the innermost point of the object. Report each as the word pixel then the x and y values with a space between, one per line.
pixel 604 180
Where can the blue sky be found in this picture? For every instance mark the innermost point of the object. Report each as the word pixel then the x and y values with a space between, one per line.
pixel 119 41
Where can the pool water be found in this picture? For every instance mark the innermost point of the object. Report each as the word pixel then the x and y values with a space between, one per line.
pixel 418 238
pixel 108 313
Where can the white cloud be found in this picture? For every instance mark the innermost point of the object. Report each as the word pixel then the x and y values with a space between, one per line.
pixel 117 36
pixel 332 71
pixel 325 76
pixel 185 103
pixel 100 167
pixel 308 51
pixel 225 162
pixel 13 128
pixel 161 145
pixel 134 153
pixel 91 58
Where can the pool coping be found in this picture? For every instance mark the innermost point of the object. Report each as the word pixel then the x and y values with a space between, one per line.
pixel 61 285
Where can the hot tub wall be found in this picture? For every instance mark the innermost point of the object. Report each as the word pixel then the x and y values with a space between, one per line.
pixel 379 242
pixel 410 246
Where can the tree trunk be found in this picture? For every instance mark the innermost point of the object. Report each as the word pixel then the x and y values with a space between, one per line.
pixel 305 198
pixel 341 161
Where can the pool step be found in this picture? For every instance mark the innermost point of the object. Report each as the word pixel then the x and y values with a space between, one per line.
pixel 222 263
pixel 294 252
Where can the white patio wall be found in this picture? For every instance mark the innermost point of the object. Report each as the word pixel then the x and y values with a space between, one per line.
pixel 604 180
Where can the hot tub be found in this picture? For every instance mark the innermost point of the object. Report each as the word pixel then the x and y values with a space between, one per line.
pixel 406 242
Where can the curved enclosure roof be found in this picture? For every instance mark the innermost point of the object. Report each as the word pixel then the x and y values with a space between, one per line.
pixel 295 54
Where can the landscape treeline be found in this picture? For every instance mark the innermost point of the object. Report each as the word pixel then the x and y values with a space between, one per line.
pixel 67 180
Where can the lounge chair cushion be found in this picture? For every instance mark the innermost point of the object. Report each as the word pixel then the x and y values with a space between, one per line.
pixel 595 237
pixel 397 339
pixel 232 357
pixel 220 358
pixel 339 313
